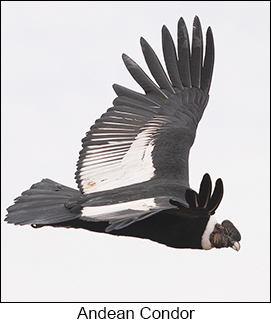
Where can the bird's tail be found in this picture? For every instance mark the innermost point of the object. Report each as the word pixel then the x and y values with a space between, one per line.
pixel 44 203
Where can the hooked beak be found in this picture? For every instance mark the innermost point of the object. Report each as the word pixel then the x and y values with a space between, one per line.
pixel 236 246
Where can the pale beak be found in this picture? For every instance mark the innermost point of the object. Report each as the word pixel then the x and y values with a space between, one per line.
pixel 236 246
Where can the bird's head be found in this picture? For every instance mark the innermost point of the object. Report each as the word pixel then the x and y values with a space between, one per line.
pixel 225 235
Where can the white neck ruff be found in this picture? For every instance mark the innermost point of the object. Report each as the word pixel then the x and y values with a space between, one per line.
pixel 205 239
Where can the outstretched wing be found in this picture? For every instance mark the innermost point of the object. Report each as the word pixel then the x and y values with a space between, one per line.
pixel 144 139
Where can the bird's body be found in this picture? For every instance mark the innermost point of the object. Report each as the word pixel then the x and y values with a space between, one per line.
pixel 164 227
pixel 132 172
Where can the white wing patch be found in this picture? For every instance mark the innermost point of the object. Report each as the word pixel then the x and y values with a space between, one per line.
pixel 119 163
pixel 120 215
pixel 108 212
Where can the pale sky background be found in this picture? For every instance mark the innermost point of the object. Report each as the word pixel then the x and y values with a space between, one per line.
pixel 59 61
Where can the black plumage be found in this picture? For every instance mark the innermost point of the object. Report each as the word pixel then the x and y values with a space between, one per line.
pixel 132 171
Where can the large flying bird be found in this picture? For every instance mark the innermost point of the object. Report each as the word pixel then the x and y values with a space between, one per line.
pixel 132 171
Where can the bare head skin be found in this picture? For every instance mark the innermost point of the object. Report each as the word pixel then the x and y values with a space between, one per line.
pixel 225 235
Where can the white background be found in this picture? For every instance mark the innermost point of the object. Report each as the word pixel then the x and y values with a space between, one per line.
pixel 59 60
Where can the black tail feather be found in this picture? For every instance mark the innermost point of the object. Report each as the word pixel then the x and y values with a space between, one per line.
pixel 43 203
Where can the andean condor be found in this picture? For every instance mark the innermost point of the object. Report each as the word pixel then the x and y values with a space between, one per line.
pixel 132 171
